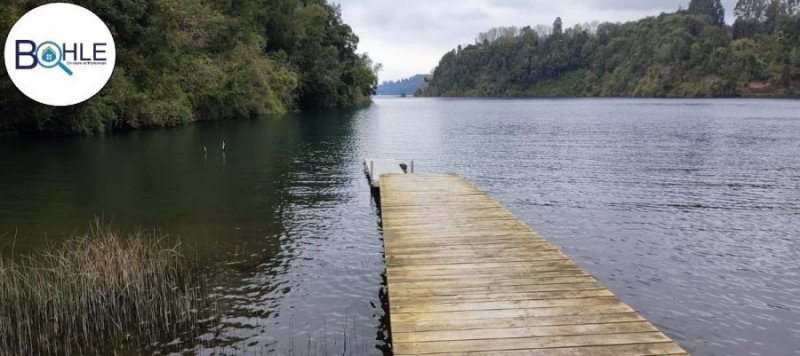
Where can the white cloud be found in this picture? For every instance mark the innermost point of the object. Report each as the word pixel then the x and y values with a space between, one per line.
pixel 410 36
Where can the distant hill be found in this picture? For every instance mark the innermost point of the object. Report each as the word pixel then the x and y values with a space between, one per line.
pixel 407 86
pixel 688 53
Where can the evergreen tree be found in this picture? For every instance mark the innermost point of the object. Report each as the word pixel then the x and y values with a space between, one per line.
pixel 558 26
pixel 711 8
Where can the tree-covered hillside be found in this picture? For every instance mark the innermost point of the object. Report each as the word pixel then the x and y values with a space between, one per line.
pixel 181 61
pixel 690 53
pixel 407 86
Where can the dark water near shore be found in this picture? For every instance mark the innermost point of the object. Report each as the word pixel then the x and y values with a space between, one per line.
pixel 689 210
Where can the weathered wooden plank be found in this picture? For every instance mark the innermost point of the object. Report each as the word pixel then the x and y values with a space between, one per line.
pixel 463 220
pixel 521 322
pixel 505 282
pixel 431 292
pixel 473 255
pixel 480 269
pixel 464 240
pixel 529 331
pixel 489 224
pixel 544 342
pixel 402 237
pixel 423 307
pixel 614 307
pixel 466 260
pixel 483 297
pixel 471 200
pixel 498 245
pixel 467 250
pixel 487 278
pixel 452 257
pixel 421 210
pixel 467 276
pixel 444 241
pixel 433 235
pixel 480 264
pixel 487 251
pixel 653 349
pixel 452 217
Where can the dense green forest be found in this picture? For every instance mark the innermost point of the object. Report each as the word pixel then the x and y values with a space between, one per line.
pixel 407 86
pixel 188 60
pixel 689 53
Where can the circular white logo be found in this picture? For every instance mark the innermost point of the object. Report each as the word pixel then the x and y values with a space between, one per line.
pixel 60 54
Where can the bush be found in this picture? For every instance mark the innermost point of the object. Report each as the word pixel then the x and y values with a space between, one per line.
pixel 98 293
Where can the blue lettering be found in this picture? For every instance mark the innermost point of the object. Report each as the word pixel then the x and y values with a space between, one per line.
pixel 97 51
pixel 31 53
pixel 74 51
pixel 84 59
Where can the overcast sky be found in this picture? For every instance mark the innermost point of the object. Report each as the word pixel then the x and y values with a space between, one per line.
pixel 410 36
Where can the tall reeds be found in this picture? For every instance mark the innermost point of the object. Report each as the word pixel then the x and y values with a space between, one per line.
pixel 98 293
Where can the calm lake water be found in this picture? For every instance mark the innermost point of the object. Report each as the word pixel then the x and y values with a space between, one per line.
pixel 689 210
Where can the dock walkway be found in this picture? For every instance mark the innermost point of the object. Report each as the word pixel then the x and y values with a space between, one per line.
pixel 375 168
pixel 466 276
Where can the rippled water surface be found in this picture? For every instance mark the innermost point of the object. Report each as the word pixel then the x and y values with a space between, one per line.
pixel 689 210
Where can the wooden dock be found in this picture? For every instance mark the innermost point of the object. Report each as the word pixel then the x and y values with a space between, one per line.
pixel 465 276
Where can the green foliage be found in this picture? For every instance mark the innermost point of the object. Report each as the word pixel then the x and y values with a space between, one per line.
pixel 711 8
pixel 751 9
pixel 572 84
pixel 188 60
pixel 687 53
pixel 755 17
